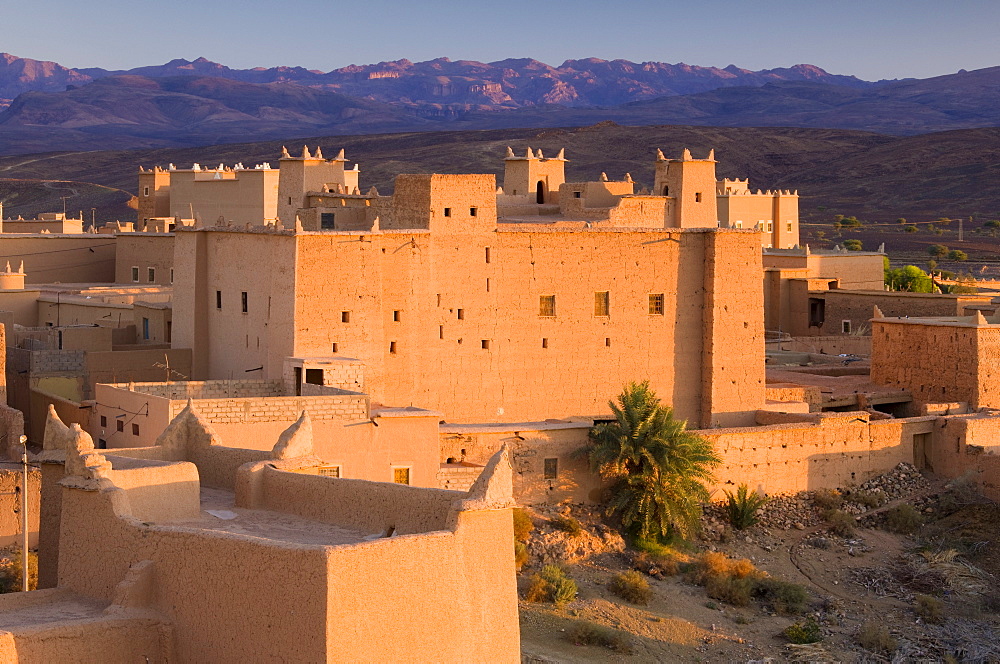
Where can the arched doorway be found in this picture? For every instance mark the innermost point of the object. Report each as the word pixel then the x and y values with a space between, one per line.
pixel 540 193
pixel 666 190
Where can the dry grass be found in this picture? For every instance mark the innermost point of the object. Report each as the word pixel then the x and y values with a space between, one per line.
pixel 841 523
pixel 930 608
pixel 828 499
pixel 903 519
pixel 586 633
pixel 523 525
pixel 875 637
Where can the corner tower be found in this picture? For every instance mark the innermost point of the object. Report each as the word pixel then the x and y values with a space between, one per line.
pixel 309 172
pixel 534 176
pixel 691 183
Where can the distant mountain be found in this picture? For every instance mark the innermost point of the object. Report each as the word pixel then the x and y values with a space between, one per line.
pixel 19 75
pixel 132 111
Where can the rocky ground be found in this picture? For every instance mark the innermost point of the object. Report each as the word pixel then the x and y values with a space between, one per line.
pixel 934 590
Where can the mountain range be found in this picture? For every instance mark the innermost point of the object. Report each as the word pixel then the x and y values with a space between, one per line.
pixel 199 102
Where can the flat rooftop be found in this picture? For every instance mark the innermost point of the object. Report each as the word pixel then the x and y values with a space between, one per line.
pixel 264 524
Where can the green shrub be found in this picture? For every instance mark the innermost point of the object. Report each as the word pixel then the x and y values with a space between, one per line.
pixel 10 573
pixel 585 633
pixel 930 608
pixel 741 508
pixel 841 523
pixel 875 637
pixel 903 519
pixel 523 525
pixel 521 555
pixel 631 587
pixel 551 585
pixel 828 499
pixel 853 245
pixel 806 631
pixel 784 598
pixel 567 524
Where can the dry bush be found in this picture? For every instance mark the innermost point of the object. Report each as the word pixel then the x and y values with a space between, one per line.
pixel 567 524
pixel 903 519
pixel 631 587
pixel 523 525
pixel 520 555
pixel 784 598
pixel 828 499
pixel 841 523
pixel 10 573
pixel 730 589
pixel 875 637
pixel 586 633
pixel 930 608
pixel 551 585
pixel 870 499
pixel 665 564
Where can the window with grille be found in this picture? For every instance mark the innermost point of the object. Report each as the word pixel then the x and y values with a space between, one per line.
pixel 602 303
pixel 551 469
pixel 656 304
pixel 327 220
pixel 401 475
pixel 547 305
pixel 135 274
pixel 329 471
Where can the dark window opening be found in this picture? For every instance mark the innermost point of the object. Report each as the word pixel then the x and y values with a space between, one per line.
pixel 551 469
pixel 392 347
pixel 545 342
pixel 314 376
pixel 473 211
pixel 577 194
pixel 120 425
pixel 135 429
pixel 218 299
pixel 104 421
pixel 486 344
pixel 540 193
pixel 298 381
pixel 447 212
pixel 395 316
pixel 697 197
pixel 345 316
pixel 461 314
pixel 817 312
pixel 334 348
pixel 243 301
pixel 666 190
pixel 327 221
pixel 487 254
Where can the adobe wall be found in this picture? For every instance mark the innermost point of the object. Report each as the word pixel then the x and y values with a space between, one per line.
pixel 23 304
pixel 857 307
pixel 10 504
pixel 144 251
pixel 84 258
pixel 244 196
pixel 11 429
pixel 54 310
pixel 227 342
pixel 967 447
pixel 833 450
pixel 935 362
pixel 850 345
pixel 529 445
pixel 450 300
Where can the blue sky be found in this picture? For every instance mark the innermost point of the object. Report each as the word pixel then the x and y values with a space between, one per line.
pixel 872 39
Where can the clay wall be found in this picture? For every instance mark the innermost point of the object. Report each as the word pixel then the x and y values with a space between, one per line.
pixel 10 504
pixel 451 301
pixel 530 444
pixel 83 258
pixel 239 197
pixel 838 345
pixel 23 304
pixel 144 251
pixel 857 307
pixel 154 194
pixel 63 310
pixel 966 447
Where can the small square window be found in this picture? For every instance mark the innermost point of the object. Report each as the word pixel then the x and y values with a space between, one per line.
pixel 545 342
pixel 547 305
pixel 697 197
pixel 607 342
pixel 577 194
pixel 392 347
pixel 327 221
pixel 473 211
pixel 333 348
pixel 120 425
pixel 151 274
pixel 135 274
pixel 345 316
pixel 447 212
pixel 602 303
pixel 551 469
pixel 656 304
pixel 218 299
pixel 104 421
pixel 244 302
pixel 486 344
pixel 395 316
pixel 461 314
pixel 135 429
pixel 401 475
pixel 329 471
pixel 845 326
pixel 145 191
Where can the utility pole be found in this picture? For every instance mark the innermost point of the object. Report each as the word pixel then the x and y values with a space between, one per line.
pixel 24 515
pixel 960 220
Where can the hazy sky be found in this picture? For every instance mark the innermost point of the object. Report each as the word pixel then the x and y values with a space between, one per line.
pixel 869 38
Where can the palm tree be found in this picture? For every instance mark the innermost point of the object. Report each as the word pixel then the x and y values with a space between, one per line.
pixel 657 467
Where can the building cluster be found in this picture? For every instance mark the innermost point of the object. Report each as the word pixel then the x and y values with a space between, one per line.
pixel 346 390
